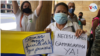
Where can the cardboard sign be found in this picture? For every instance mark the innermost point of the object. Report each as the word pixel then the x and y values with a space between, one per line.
pixel 38 44
pixel 12 41
pixel 67 44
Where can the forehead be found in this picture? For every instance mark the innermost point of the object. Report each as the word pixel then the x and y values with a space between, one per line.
pixel 61 7
pixel 80 14
pixel 26 4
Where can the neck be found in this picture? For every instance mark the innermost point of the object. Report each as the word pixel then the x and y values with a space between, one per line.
pixel 27 13
pixel 61 26
pixel 71 15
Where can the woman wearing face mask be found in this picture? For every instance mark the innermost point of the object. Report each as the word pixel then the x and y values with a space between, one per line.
pixel 25 18
pixel 72 17
pixel 61 22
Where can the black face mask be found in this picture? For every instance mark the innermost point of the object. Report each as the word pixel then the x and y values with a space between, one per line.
pixel 80 16
pixel 27 10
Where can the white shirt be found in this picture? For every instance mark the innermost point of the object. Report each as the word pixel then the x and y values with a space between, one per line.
pixel 67 27
pixel 74 19
pixel 82 19
pixel 28 22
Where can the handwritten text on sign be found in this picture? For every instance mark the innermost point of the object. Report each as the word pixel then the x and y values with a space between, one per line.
pixel 38 44
pixel 66 43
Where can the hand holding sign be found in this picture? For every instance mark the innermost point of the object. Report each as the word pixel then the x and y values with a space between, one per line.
pixel 66 43
pixel 38 44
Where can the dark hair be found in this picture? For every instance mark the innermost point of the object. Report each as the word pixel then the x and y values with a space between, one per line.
pixel 24 3
pixel 98 15
pixel 61 3
pixel 81 13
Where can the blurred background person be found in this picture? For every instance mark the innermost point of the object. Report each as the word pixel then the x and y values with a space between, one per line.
pixel 71 8
pixel 95 23
pixel 25 18
pixel 81 20
pixel 52 20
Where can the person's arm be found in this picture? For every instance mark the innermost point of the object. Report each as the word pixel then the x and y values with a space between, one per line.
pixel 83 22
pixel 15 6
pixel 95 24
pixel 38 9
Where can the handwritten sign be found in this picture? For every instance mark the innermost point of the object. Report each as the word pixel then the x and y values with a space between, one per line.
pixel 38 44
pixel 66 43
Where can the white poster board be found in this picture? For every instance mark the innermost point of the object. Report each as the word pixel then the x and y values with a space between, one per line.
pixel 38 44
pixel 67 44
pixel 2 1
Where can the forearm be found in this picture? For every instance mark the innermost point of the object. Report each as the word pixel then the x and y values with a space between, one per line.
pixel 40 3
pixel 15 6
pixel 83 22
pixel 38 10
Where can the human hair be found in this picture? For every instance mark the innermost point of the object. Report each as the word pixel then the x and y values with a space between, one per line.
pixel 81 13
pixel 61 3
pixel 24 3
pixel 72 3
pixel 98 15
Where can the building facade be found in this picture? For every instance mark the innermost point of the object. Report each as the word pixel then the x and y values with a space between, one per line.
pixel 6 6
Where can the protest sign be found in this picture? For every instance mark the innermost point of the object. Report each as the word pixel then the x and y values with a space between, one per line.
pixel 38 44
pixel 12 41
pixel 67 44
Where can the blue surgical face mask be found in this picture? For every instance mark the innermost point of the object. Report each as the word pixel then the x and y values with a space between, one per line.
pixel 71 10
pixel 60 18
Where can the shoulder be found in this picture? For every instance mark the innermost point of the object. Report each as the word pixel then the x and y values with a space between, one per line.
pixel 76 26
pixel 82 19
pixel 18 12
pixel 51 25
pixel 34 13
pixel 75 15
pixel 96 18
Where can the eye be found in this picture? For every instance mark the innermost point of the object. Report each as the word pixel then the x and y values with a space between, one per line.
pixel 64 12
pixel 70 6
pixel 58 12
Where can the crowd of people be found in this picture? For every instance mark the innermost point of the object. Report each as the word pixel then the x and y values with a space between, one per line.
pixel 63 19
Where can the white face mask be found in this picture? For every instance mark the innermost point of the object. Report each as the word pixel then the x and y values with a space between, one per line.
pixel 60 18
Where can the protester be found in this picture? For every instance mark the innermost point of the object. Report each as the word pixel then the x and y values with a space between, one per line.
pixel 52 20
pixel 81 20
pixel 25 18
pixel 95 23
pixel 62 23
pixel 95 51
pixel 72 17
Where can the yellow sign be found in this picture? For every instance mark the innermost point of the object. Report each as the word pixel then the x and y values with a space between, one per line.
pixel 12 41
